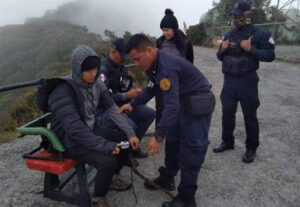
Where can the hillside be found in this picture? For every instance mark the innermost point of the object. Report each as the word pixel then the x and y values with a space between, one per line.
pixel 39 49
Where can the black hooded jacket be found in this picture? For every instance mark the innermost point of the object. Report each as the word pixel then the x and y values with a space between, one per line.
pixel 74 114
pixel 181 42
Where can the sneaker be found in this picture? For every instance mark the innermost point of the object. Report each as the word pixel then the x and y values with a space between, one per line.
pixel 162 180
pixel 118 183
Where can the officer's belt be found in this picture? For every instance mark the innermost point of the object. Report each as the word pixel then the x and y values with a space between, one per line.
pixel 243 75
pixel 193 93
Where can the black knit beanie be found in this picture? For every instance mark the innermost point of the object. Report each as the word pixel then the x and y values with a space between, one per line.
pixel 169 20
pixel 90 63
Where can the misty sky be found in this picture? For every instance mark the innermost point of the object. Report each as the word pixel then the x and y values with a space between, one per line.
pixel 115 15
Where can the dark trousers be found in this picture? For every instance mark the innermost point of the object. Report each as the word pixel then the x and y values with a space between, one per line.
pixel 244 90
pixel 185 150
pixel 140 119
pixel 107 165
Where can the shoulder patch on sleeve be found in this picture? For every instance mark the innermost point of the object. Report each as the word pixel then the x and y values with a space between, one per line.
pixel 103 77
pixel 271 41
pixel 165 84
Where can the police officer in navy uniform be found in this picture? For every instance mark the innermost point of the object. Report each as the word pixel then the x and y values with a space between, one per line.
pixel 182 87
pixel 119 83
pixel 240 53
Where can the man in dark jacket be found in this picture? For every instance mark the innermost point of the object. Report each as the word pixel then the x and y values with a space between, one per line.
pixel 240 53
pixel 74 105
pixel 119 83
pixel 184 122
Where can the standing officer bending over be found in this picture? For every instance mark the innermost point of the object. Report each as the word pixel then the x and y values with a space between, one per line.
pixel 240 53
pixel 188 104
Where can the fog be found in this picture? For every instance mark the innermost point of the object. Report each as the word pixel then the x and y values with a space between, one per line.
pixel 16 11
pixel 115 15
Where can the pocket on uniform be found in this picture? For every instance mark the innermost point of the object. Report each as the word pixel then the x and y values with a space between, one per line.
pixel 199 104
pixel 198 132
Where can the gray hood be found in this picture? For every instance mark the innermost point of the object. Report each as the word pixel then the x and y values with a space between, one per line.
pixel 91 92
pixel 78 56
pixel 94 92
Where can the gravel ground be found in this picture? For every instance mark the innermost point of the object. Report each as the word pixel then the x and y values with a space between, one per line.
pixel 273 180
pixel 288 53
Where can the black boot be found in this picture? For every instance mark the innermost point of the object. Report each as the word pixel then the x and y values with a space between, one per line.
pixel 180 202
pixel 249 156
pixel 139 154
pixel 223 147
pixel 163 181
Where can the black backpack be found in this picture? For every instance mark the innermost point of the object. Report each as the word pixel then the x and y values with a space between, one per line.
pixel 44 91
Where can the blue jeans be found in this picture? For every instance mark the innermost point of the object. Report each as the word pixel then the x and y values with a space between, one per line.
pixel 140 118
pixel 186 146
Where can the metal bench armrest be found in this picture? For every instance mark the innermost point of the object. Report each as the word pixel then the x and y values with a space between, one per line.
pixel 49 134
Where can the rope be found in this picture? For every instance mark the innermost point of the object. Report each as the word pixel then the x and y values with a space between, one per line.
pixel 138 173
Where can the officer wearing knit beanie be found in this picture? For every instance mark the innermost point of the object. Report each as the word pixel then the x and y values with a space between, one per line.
pixel 169 20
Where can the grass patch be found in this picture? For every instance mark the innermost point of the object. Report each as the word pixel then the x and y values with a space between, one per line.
pixel 6 136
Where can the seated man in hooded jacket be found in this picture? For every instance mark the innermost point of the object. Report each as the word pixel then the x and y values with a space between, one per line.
pixel 74 104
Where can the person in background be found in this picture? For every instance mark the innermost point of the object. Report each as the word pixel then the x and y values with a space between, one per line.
pixel 173 39
pixel 240 52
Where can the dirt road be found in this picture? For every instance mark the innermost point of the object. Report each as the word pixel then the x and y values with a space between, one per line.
pixel 273 180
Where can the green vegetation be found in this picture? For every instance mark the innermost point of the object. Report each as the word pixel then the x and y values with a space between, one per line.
pixel 39 49
pixel 21 112
pixel 197 35
pixel 31 51
pixel 209 29
pixel 223 8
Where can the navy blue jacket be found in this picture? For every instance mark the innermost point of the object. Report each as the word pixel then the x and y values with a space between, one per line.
pixel 262 44
pixel 184 79
pixel 110 73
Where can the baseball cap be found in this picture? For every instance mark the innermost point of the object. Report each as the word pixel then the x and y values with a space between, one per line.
pixel 240 7
pixel 120 45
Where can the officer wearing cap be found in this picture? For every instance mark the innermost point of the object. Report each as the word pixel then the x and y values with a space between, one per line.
pixel 119 83
pixel 187 105
pixel 240 52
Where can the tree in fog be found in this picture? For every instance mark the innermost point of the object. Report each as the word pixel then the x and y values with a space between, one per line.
pixel 127 35
pixel 224 7
pixel 110 34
